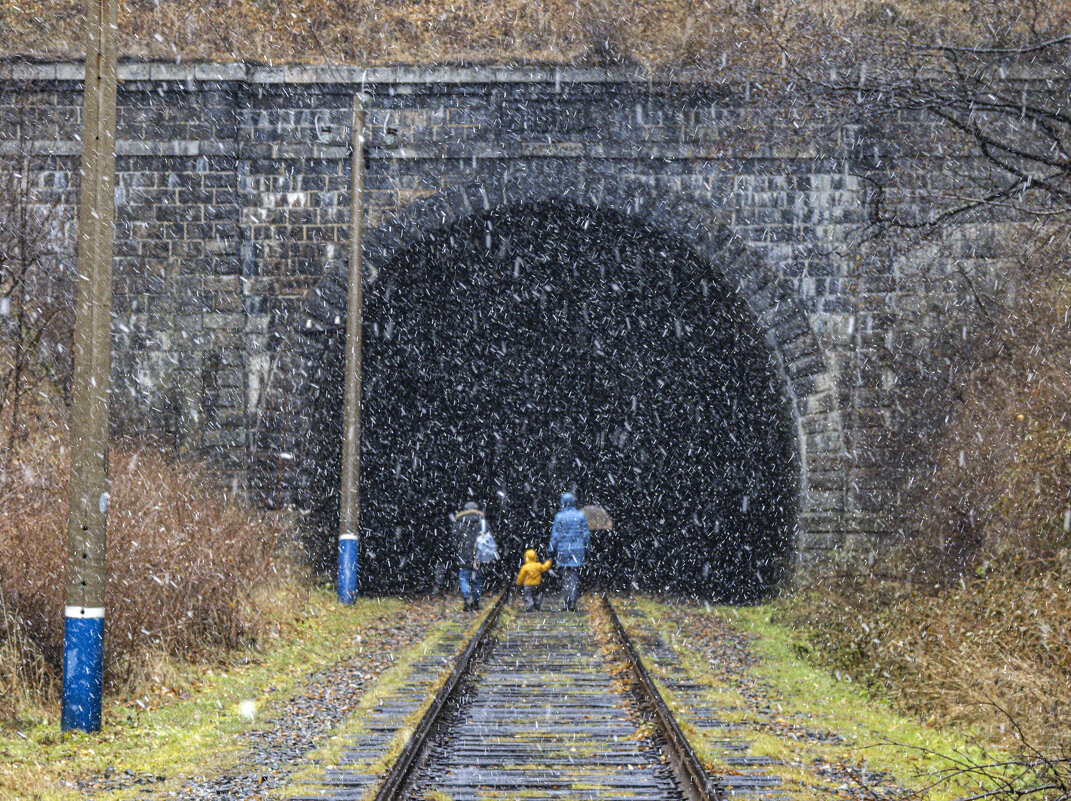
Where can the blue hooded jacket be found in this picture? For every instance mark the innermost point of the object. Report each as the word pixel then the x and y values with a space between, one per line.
pixel 570 536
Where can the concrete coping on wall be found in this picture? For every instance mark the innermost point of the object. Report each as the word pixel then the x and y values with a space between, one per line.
pixel 327 74
pixel 415 75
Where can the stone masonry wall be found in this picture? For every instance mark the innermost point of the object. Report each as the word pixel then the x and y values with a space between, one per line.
pixel 233 201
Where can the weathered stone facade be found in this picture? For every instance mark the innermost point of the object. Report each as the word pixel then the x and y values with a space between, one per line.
pixel 233 201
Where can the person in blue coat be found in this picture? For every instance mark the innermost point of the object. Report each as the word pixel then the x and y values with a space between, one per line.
pixel 569 540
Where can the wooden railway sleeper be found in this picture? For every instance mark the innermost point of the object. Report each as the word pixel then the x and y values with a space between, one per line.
pixel 690 772
pixel 690 775
pixel 397 778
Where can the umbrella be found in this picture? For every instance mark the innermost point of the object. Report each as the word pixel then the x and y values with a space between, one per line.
pixel 598 519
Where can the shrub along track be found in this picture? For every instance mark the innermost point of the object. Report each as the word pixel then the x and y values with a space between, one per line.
pixel 551 705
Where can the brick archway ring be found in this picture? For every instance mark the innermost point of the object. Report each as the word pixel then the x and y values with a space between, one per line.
pixel 806 378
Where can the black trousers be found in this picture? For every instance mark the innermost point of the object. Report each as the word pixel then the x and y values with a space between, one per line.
pixel 533 598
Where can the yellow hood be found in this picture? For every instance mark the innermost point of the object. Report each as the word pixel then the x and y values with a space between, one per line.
pixel 532 570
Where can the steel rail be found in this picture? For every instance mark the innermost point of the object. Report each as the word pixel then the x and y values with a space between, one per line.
pixel 410 757
pixel 689 769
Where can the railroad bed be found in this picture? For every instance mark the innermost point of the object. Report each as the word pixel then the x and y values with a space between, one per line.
pixel 543 718
pixel 538 705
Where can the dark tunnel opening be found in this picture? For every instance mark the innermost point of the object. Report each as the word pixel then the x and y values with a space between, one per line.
pixel 524 352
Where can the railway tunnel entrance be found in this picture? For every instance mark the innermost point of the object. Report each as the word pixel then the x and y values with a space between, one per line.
pixel 526 351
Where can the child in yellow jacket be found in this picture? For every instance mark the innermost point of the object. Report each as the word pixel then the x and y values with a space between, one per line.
pixel 530 577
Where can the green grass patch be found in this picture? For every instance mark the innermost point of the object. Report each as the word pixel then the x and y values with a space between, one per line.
pixel 188 719
pixel 332 751
pixel 802 696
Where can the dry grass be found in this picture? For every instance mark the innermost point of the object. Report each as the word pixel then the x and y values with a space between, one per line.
pixel 1000 480
pixel 707 34
pixel 978 654
pixel 186 567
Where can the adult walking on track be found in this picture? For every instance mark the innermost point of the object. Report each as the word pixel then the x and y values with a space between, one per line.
pixel 569 540
pixel 470 526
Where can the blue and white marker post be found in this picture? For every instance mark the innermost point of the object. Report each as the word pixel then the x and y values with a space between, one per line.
pixel 349 512
pixel 83 667
pixel 83 634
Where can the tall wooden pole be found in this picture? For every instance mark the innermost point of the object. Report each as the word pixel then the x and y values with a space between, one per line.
pixel 83 650
pixel 349 508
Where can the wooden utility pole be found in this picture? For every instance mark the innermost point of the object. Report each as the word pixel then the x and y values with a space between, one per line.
pixel 349 509
pixel 83 643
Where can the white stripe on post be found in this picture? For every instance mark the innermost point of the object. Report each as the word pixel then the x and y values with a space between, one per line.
pixel 95 612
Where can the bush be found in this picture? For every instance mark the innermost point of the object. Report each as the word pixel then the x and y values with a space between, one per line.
pixel 1001 474
pixel 981 653
pixel 186 567
pixel 967 623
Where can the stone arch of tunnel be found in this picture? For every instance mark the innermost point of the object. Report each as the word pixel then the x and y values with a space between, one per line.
pixel 515 351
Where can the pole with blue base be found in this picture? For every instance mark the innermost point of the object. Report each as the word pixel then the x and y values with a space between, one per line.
pixel 347 568
pixel 83 668
pixel 349 495
pixel 83 634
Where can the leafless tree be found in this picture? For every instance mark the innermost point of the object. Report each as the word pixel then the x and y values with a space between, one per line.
pixel 997 93
pixel 1025 773
pixel 963 154
pixel 35 286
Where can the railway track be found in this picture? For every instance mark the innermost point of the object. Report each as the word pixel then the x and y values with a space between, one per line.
pixel 547 705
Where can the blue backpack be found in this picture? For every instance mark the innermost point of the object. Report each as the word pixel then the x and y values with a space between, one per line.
pixel 486 548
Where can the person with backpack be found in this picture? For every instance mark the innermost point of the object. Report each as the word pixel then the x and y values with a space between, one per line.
pixel 569 539
pixel 486 550
pixel 473 547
